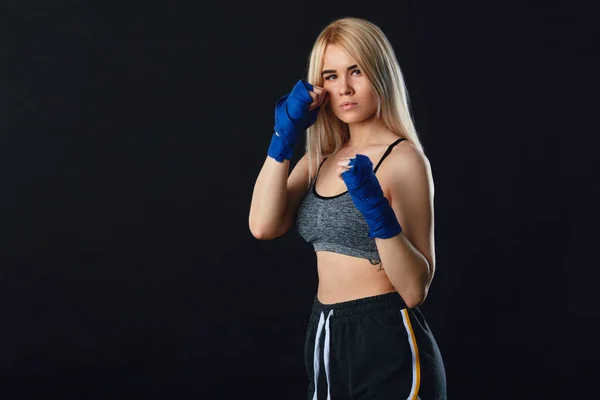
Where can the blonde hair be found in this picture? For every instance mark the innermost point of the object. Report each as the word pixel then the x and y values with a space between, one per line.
pixel 369 47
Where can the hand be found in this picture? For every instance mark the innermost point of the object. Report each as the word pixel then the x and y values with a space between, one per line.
pixel 320 97
pixel 367 195
pixel 342 166
pixel 294 112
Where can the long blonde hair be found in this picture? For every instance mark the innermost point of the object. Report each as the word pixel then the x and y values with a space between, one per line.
pixel 367 44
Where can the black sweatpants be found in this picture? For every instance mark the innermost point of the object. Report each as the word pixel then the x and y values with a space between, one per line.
pixel 372 348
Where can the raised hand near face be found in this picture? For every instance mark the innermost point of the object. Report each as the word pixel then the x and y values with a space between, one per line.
pixel 294 113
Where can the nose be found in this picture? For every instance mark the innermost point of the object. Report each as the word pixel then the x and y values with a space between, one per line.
pixel 345 89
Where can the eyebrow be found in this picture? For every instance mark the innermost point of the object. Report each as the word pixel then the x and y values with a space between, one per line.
pixel 328 71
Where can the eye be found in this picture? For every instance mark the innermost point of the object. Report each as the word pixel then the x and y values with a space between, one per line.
pixel 356 70
pixel 327 78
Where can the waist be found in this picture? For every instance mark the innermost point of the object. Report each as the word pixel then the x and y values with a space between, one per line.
pixel 344 278
pixel 361 306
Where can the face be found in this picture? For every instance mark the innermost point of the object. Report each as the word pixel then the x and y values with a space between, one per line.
pixel 350 95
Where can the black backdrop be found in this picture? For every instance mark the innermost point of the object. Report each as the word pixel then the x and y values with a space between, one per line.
pixel 132 136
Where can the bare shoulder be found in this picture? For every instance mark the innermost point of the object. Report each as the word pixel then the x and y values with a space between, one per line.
pixel 406 156
pixel 406 165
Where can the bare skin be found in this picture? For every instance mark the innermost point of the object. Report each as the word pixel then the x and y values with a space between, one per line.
pixel 342 277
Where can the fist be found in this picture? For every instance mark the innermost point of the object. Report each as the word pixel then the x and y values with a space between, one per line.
pixel 320 97
pixel 358 175
pixel 342 166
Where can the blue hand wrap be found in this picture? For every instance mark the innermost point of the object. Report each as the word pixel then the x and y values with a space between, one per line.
pixel 368 198
pixel 291 118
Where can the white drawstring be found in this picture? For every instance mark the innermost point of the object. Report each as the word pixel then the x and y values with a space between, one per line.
pixel 316 355
pixel 326 353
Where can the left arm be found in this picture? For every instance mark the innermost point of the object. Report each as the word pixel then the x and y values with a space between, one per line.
pixel 401 222
pixel 409 257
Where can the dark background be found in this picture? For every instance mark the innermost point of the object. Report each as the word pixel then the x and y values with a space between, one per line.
pixel 131 138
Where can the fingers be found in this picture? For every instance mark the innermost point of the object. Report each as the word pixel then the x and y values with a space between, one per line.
pixel 319 90
pixel 345 160
pixel 319 96
pixel 340 170
pixel 342 166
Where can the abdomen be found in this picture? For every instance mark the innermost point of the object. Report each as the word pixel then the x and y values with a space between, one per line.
pixel 345 278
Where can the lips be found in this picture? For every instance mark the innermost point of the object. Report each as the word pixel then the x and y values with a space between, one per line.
pixel 348 105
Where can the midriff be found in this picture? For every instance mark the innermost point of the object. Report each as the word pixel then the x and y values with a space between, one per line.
pixel 345 278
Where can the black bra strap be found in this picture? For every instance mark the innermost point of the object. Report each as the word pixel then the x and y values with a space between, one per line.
pixel 388 151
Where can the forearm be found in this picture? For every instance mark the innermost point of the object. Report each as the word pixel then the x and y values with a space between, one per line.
pixel 406 267
pixel 269 197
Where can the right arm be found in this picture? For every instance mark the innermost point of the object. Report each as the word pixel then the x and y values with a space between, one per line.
pixel 276 197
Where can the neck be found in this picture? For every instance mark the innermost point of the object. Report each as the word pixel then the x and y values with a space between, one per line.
pixel 365 133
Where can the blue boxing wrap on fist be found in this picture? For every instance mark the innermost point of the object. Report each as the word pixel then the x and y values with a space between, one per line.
pixel 366 193
pixel 291 118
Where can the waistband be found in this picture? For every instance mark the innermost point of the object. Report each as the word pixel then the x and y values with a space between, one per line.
pixel 362 306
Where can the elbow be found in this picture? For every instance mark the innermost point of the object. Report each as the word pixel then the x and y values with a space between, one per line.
pixel 262 232
pixel 413 301
pixel 415 297
pixel 258 233
pixel 416 294
pixel 256 230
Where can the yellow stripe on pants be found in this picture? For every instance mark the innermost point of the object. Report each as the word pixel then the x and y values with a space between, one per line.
pixel 416 367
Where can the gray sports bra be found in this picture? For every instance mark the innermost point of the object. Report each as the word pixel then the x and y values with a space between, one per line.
pixel 334 224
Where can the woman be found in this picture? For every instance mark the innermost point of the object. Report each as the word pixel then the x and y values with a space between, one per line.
pixel 372 228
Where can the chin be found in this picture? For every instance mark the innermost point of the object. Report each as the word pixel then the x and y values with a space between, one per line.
pixel 351 119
